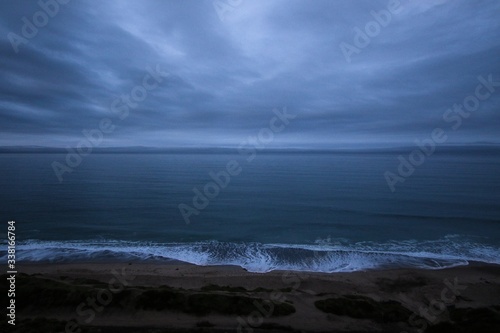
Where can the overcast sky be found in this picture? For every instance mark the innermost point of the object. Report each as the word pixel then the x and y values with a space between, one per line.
pixel 231 62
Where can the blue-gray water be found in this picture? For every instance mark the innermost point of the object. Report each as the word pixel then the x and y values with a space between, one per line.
pixel 306 211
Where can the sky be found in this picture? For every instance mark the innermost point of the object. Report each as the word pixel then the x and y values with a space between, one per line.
pixel 222 69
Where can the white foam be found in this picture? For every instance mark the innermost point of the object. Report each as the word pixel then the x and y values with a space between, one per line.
pixel 324 256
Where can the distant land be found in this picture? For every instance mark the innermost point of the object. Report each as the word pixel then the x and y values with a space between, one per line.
pixel 469 148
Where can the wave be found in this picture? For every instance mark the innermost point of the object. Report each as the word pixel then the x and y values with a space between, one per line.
pixel 325 255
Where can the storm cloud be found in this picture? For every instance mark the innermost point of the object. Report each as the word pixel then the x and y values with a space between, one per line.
pixel 353 72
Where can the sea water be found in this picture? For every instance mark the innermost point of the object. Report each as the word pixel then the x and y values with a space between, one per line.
pixel 313 211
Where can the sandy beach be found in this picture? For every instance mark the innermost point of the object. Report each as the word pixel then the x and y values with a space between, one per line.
pixel 154 297
pixel 250 166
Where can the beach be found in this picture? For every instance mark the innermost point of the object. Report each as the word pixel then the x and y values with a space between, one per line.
pixel 180 297
pixel 250 166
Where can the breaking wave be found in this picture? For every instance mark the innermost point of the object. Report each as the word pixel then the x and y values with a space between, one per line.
pixel 322 256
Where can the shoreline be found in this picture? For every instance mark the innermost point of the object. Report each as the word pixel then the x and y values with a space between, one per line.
pixel 437 253
pixel 174 262
pixel 398 299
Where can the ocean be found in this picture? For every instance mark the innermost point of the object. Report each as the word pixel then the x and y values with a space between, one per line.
pixel 309 211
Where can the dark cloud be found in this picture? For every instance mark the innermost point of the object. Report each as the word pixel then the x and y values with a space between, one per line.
pixel 226 76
